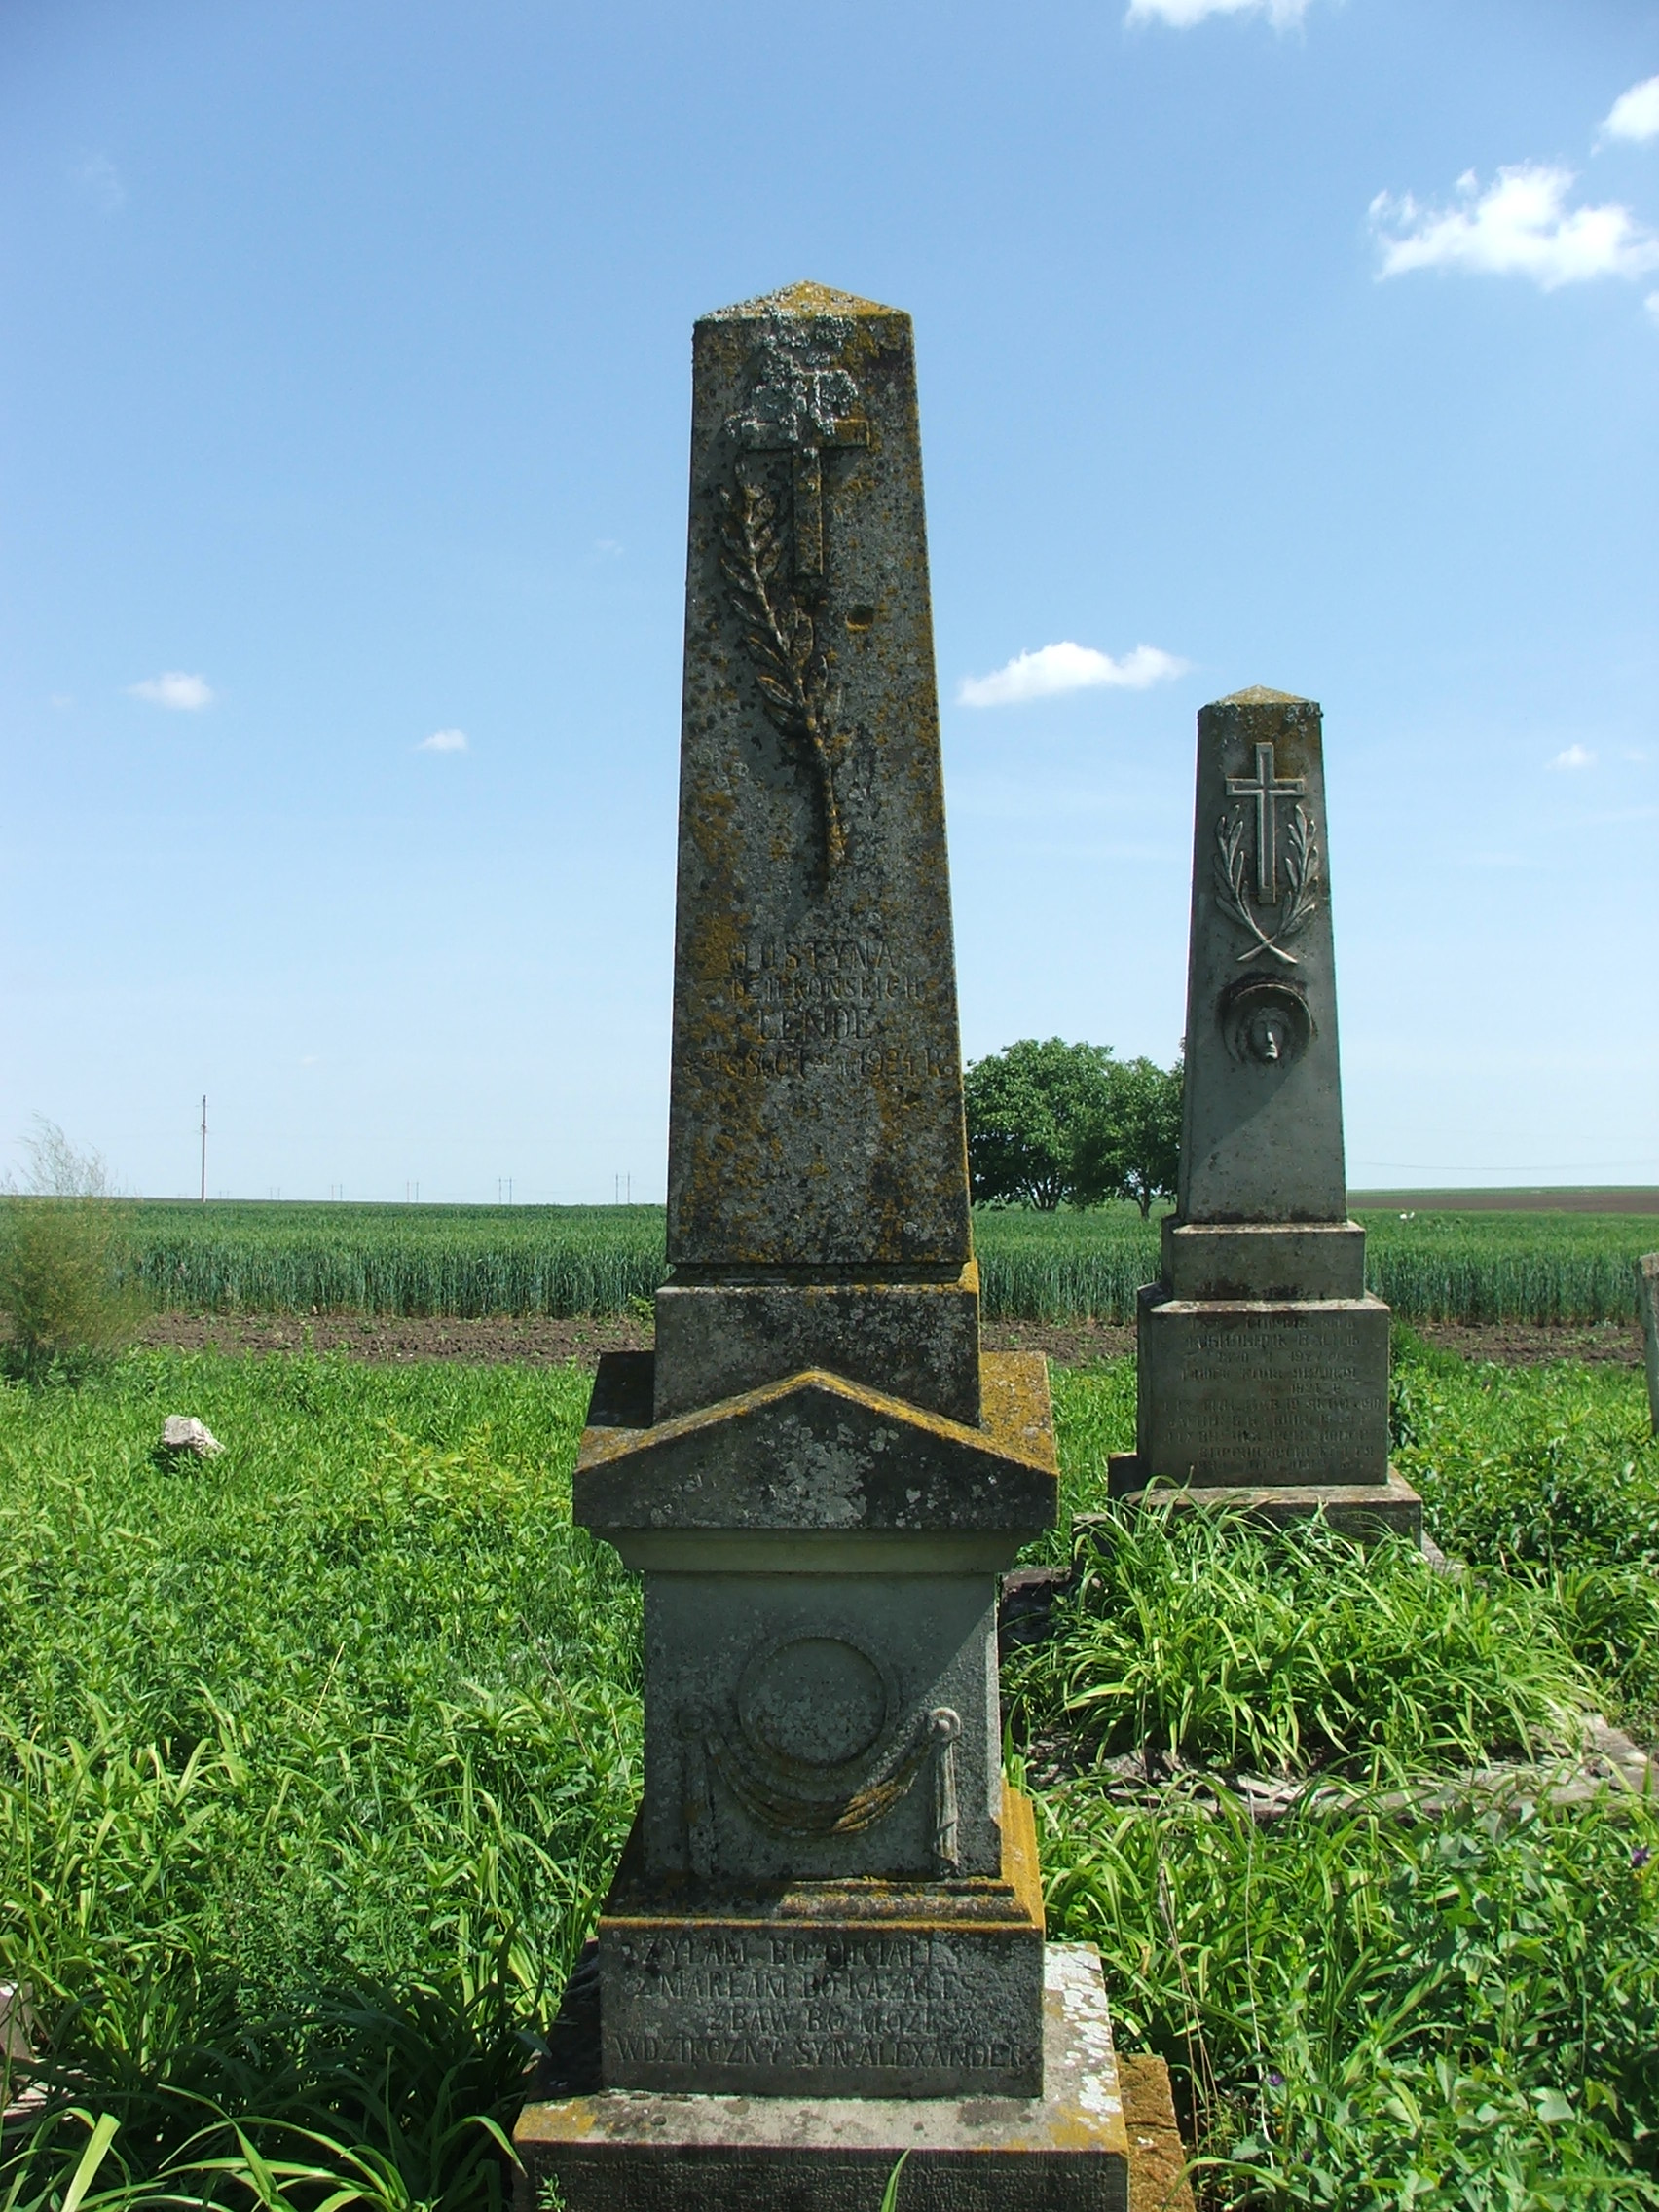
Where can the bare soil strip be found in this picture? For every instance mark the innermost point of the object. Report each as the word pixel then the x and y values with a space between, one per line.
pixel 1591 1197
pixel 536 1341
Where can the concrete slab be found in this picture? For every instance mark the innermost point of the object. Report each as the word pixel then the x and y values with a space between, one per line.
pixel 634 2151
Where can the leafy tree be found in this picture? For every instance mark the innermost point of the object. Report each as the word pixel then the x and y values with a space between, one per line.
pixel 1025 1108
pixel 1130 1145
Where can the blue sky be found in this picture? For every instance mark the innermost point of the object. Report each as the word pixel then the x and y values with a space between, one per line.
pixel 344 396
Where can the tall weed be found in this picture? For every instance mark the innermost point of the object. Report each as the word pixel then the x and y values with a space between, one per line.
pixel 1211 1642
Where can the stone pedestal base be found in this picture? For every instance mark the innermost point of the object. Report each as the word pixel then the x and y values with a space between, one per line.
pixel 1259 1392
pixel 859 1989
pixel 622 2151
pixel 1363 1511
pixel 917 1341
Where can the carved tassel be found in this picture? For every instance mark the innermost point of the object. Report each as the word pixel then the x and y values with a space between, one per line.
pixel 945 1726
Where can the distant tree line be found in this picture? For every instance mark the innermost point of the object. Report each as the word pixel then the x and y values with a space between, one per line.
pixel 1051 1124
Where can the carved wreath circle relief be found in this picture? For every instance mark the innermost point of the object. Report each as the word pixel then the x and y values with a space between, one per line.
pixel 822 1748
pixel 814 1700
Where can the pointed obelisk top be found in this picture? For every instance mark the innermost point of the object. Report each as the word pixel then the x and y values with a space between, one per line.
pixel 804 299
pixel 1258 695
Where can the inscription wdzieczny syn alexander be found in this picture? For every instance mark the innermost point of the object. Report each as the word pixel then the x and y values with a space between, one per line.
pixel 785 2001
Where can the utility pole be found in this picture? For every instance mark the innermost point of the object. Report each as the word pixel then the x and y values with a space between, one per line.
pixel 203 1148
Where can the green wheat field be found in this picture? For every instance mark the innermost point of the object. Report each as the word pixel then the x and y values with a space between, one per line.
pixel 1061 1266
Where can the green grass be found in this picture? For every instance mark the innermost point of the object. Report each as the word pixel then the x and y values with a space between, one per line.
pixel 1456 2015
pixel 1507 1267
pixel 1363 2008
pixel 315 1758
pixel 1208 1641
pixel 1056 1267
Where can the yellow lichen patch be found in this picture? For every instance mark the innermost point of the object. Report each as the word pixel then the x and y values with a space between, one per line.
pixel 804 299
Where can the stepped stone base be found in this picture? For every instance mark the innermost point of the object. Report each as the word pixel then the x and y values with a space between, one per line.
pixel 1364 1511
pixel 1065 2151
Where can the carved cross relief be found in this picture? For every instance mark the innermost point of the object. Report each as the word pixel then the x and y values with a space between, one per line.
pixel 1265 791
pixel 801 404
pixel 1266 788
pixel 804 405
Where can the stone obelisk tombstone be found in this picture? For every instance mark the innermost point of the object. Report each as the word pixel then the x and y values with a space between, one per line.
pixel 828 1907
pixel 1263 1361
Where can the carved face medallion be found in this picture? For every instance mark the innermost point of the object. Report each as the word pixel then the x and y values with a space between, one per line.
pixel 1265 1023
pixel 814 1700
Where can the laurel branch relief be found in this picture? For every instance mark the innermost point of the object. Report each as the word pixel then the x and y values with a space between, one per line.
pixel 781 638
pixel 1301 900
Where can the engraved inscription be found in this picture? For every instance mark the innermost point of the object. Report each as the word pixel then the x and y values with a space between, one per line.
pixel 785 1005
pixel 1300 1399
pixel 775 2001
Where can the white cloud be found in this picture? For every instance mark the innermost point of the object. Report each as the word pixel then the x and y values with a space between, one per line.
pixel 174 690
pixel 1066 668
pixel 608 549
pixel 101 183
pixel 62 701
pixel 1575 757
pixel 444 741
pixel 1519 225
pixel 1182 14
pixel 1635 114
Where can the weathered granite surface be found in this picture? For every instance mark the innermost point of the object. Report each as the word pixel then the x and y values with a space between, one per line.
pixel 1263 1362
pixel 818 1452
pixel 815 1122
pixel 1361 1511
pixel 913 1339
pixel 1065 2151
pixel 821 1589
pixel 1647 1297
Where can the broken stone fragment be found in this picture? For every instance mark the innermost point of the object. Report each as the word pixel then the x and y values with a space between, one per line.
pixel 13 2023
pixel 183 1432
